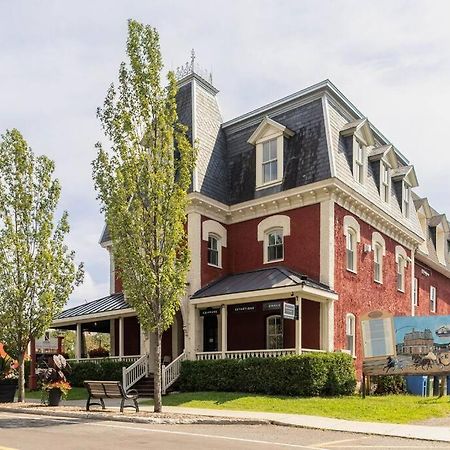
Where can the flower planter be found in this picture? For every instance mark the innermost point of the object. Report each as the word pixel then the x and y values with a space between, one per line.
pixel 54 397
pixel 7 392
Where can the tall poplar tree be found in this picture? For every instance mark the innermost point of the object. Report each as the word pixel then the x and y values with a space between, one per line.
pixel 37 271
pixel 142 185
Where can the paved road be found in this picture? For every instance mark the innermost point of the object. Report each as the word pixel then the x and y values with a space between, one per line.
pixel 23 431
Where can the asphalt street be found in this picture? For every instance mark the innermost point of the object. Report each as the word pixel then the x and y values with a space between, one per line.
pixel 24 431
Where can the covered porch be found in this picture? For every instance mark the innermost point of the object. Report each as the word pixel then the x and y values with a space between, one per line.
pixel 264 313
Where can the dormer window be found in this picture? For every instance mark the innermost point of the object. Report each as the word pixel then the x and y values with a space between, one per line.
pixel 268 139
pixel 385 182
pixel 269 161
pixel 406 196
pixel 358 162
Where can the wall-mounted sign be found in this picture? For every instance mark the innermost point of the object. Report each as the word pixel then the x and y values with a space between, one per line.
pixel 405 345
pixel 289 311
pixel 243 308
pixel 272 306
pixel 209 312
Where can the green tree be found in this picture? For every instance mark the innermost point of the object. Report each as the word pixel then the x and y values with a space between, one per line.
pixel 143 186
pixel 37 271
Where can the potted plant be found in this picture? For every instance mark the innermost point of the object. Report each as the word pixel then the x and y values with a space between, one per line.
pixel 8 377
pixel 53 380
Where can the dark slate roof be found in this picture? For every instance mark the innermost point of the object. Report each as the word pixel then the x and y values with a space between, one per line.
pixel 114 302
pixel 268 278
pixel 105 235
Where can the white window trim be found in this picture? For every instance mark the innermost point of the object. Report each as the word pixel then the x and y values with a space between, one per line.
pixel 219 251
pixel 401 256
pixel 267 329
pixel 266 246
pixel 271 223
pixel 441 244
pixel 213 228
pixel 352 318
pixel 378 239
pixel 406 198
pixel 385 167
pixel 356 144
pixel 433 299
pixel 259 161
pixel 350 223
pixel 416 291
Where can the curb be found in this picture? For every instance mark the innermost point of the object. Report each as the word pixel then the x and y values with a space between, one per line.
pixel 195 420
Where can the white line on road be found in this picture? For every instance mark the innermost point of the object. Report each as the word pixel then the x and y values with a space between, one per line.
pixel 341 441
pixel 212 436
pixel 34 417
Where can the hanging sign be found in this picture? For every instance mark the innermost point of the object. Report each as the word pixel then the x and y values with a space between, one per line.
pixel 289 311
pixel 209 312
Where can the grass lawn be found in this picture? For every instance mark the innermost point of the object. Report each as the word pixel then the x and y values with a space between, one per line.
pixel 389 408
pixel 76 393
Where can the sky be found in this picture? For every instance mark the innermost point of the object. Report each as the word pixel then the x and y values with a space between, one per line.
pixel 57 59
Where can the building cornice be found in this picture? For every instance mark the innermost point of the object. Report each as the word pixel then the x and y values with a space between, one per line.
pixel 298 197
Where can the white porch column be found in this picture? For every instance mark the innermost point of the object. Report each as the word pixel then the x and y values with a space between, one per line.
pixel 327 326
pixel 121 337
pixel 141 341
pixel 175 337
pixel 298 327
pixel 78 342
pixel 224 330
pixel 112 337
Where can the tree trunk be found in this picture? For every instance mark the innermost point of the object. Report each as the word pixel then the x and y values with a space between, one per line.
pixel 157 398
pixel 21 387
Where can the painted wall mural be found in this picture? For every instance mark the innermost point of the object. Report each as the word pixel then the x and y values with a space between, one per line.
pixel 405 345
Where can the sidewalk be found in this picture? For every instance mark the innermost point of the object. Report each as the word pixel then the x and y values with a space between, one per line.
pixel 422 432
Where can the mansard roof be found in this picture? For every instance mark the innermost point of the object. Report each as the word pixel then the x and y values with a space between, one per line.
pixel 407 173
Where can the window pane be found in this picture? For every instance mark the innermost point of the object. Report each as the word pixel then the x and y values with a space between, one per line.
pixel 273 170
pixel 266 151
pixel 350 260
pixel 266 173
pixel 273 149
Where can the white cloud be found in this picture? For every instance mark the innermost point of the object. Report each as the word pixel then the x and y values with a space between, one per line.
pixel 391 58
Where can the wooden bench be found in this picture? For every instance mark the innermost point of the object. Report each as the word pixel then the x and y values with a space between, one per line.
pixel 100 390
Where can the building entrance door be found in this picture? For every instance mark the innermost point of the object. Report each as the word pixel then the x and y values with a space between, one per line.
pixel 210 334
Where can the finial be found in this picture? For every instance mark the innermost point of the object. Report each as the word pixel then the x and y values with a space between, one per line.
pixel 192 58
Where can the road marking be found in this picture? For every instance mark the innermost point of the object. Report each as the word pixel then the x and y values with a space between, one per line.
pixel 35 417
pixel 321 444
pixel 212 436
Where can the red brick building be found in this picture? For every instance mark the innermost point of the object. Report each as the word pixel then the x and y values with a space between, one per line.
pixel 301 201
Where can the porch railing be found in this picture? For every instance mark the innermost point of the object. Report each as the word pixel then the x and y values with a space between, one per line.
pixel 127 359
pixel 171 372
pixel 243 354
pixel 133 373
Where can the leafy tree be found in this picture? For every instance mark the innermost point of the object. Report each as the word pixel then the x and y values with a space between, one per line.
pixel 37 271
pixel 143 186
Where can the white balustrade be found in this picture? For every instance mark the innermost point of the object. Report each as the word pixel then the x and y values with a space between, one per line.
pixel 128 359
pixel 203 356
pixel 243 354
pixel 171 372
pixel 133 373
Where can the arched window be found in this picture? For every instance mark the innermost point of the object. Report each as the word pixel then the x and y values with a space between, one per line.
pixel 401 273
pixel 352 237
pixel 275 245
pixel 214 252
pixel 350 333
pixel 274 332
pixel 351 250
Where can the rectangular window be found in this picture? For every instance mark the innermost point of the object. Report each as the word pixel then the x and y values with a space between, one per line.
pixel 350 333
pixel 416 292
pixel 269 161
pixel 406 196
pixel 384 182
pixel 350 251
pixel 401 274
pixel 213 251
pixel 275 246
pixel 377 256
pixel 359 164
pixel 433 299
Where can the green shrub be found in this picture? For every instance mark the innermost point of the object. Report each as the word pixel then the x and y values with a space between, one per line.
pixel 100 371
pixel 304 375
pixel 389 384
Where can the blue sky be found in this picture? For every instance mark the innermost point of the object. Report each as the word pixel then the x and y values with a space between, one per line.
pixel 57 58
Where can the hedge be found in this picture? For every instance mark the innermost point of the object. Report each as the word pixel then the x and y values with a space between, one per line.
pixel 306 375
pixel 101 371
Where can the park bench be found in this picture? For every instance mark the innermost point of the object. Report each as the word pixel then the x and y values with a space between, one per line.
pixel 100 390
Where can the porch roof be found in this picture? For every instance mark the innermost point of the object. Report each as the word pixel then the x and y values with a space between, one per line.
pixel 114 302
pixel 257 280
